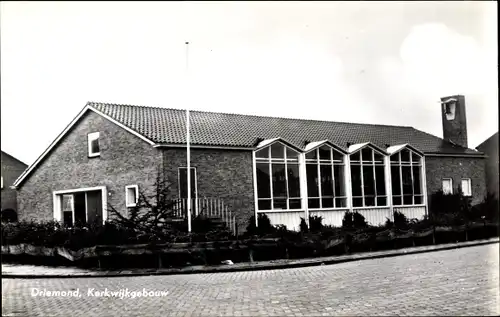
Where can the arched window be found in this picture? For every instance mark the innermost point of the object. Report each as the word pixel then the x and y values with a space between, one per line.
pixel 278 183
pixel 368 178
pixel 325 178
pixel 406 174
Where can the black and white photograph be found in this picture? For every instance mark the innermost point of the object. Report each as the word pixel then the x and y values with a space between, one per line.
pixel 240 158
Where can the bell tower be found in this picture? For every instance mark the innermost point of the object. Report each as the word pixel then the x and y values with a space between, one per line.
pixel 454 119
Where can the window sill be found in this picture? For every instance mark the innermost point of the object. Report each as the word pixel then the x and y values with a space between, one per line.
pixel 280 210
pixel 403 206
pixel 370 207
pixel 94 155
pixel 329 209
pixel 130 206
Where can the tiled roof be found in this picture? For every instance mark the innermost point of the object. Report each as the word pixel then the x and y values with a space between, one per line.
pixel 168 126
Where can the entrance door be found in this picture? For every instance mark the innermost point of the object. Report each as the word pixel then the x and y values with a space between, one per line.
pixel 80 213
pixel 94 207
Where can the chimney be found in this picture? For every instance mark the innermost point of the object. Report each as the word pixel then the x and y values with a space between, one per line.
pixel 454 119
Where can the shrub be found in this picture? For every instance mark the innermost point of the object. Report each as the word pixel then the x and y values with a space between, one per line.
pixel 303 226
pixel 420 225
pixel 202 224
pixel 388 223
pixel 331 232
pixel 264 225
pixel 354 220
pixel 488 209
pixel 315 223
pixel 281 228
pixel 347 221
pixel 359 220
pixel 400 220
pixel 9 215
pixel 441 203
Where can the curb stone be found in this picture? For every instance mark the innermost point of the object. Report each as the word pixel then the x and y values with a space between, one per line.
pixel 267 265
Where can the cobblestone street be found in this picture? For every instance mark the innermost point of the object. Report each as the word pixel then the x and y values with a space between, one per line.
pixel 454 282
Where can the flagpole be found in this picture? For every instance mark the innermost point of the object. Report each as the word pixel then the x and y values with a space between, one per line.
pixel 187 146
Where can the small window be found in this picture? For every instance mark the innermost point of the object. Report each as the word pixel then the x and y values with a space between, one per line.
pixel 447 186
pixel 93 144
pixel 131 195
pixel 466 187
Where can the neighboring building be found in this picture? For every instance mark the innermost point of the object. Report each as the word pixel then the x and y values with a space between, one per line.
pixel 11 169
pixel 490 148
pixel 284 168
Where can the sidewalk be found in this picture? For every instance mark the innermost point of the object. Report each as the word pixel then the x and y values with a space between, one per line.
pixel 32 271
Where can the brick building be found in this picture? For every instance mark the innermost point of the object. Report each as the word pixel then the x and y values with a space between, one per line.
pixel 285 168
pixel 11 169
pixel 490 148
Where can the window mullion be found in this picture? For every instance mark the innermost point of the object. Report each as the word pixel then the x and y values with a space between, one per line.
pixel 362 177
pixel 271 178
pixel 286 181
pixel 333 177
pixel 401 179
pixel 319 179
pixel 374 177
pixel 412 181
pixel 73 208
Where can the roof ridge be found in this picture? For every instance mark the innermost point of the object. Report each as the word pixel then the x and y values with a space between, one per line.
pixel 250 115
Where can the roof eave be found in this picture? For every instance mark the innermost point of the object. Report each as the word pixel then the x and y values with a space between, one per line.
pixel 203 146
pixel 441 154
pixel 87 107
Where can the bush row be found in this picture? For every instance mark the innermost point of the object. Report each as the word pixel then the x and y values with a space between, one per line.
pixel 52 234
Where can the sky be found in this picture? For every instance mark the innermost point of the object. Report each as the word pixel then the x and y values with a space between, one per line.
pixel 367 62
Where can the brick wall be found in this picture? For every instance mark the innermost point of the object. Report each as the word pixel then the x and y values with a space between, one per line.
pixel 224 174
pixel 11 169
pixel 456 168
pixel 125 160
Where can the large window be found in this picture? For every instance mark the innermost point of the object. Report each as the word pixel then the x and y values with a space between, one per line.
pixel 278 184
pixel 406 174
pixel 368 178
pixel 325 178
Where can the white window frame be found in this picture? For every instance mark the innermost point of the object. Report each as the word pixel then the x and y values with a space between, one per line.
pixel 2 182
pixel 57 201
pixel 318 163
pixel 136 190
pixel 91 137
pixel 373 164
pixel 411 164
pixel 469 185
pixel 451 185
pixel 286 161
